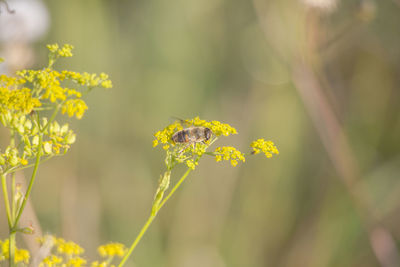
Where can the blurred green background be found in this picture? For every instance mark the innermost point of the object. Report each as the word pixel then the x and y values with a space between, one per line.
pixel 318 77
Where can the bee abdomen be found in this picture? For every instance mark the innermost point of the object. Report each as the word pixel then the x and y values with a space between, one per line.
pixel 180 137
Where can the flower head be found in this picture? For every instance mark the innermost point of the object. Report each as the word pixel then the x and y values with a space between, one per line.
pixel 68 254
pixel 229 153
pixel 217 128
pixel 112 249
pixel 68 248
pixel 267 147
pixel 193 141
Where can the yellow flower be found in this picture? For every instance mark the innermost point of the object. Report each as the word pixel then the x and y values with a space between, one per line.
pixel 97 264
pixel 191 164
pixel 21 255
pixel 229 153
pixel 68 248
pixel 76 262
pixel 52 47
pixel 112 249
pixel 267 147
pixel 75 107
pixel 217 128
pixel 65 51
pixel 51 260
pixel 17 100
pixel 164 136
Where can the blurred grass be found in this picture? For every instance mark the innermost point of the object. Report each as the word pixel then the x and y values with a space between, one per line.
pixel 213 59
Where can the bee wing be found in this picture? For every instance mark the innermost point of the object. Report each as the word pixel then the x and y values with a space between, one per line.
pixel 182 121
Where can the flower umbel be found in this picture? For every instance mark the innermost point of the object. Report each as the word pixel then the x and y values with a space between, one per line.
pixel 69 254
pixel 267 147
pixel 229 153
pixel 194 140
pixel 29 104
pixel 112 249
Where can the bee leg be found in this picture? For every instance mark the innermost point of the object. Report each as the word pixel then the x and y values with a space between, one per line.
pixel 183 149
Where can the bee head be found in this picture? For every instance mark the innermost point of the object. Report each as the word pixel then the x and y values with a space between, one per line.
pixel 207 133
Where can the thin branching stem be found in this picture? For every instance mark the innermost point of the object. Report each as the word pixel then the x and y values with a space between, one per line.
pixel 152 217
pixel 13 204
pixel 28 191
pixel 35 168
pixel 6 200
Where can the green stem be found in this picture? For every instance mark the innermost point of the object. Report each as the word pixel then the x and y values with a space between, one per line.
pixel 12 249
pixel 35 168
pixel 28 191
pixel 6 201
pixel 177 185
pixel 138 238
pixel 11 170
pixel 53 116
pixel 151 218
pixel 13 204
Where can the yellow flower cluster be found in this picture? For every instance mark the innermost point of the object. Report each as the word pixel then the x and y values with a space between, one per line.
pixel 21 255
pixel 60 137
pixel 65 51
pixel 190 153
pixel 49 83
pixel 216 127
pixel 75 107
pixel 32 91
pixel 51 261
pixel 59 140
pixel 112 249
pixel 191 163
pixel 76 262
pixel 67 254
pixel 229 153
pixel 17 100
pixel 68 248
pixel 164 136
pixel 267 147
pixel 87 79
pixel 10 82
pixel 11 157
pixel 100 264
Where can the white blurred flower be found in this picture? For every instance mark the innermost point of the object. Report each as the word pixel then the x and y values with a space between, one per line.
pixel 323 5
pixel 28 23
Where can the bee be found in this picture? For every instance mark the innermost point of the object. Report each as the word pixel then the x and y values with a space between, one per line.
pixel 192 135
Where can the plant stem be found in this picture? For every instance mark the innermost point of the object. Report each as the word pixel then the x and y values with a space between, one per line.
pixel 30 165
pixel 28 191
pixel 35 168
pixel 13 204
pixel 12 248
pixel 6 201
pixel 53 116
pixel 151 218
pixel 175 188
pixel 138 238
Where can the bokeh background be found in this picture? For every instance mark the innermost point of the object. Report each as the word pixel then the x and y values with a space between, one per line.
pixel 318 77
